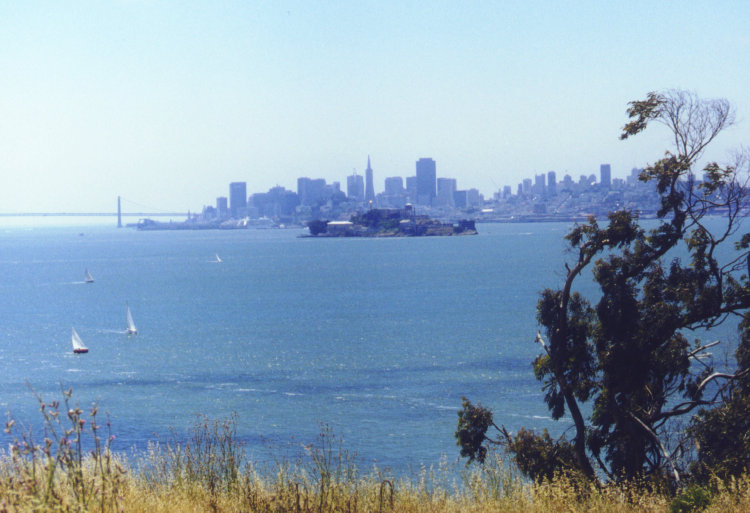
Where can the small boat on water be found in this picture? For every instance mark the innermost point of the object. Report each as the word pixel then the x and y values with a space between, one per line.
pixel 88 278
pixel 218 260
pixel 78 347
pixel 131 329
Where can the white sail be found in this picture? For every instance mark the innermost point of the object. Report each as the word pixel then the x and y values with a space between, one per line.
pixel 218 260
pixel 129 319
pixel 78 346
pixel 88 278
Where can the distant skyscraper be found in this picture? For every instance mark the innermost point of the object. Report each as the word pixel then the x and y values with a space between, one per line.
pixel 393 193
pixel 310 191
pixel 538 185
pixel 460 199
pixel 568 184
pixel 426 181
pixel 473 198
pixel 394 185
pixel 237 198
pixel 551 183
pixel 221 206
pixel 507 192
pixel 369 187
pixel 606 176
pixel 446 187
pixel 411 188
pixel 632 180
pixel 355 187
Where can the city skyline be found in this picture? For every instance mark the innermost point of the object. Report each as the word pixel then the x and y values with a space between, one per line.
pixel 424 188
pixel 543 198
pixel 355 188
pixel 164 104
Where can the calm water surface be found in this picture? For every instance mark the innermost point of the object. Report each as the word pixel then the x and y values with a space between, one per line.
pixel 377 338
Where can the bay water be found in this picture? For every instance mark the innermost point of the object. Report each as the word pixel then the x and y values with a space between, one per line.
pixel 377 339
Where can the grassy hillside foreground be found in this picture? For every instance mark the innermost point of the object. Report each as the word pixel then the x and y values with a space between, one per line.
pixel 300 489
pixel 71 468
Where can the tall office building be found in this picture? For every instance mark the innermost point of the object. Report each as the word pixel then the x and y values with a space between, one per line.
pixel 539 187
pixel 393 194
pixel 473 198
pixel 394 185
pixel 237 198
pixel 606 176
pixel 310 191
pixel 426 181
pixel 221 206
pixel 507 192
pixel 460 199
pixel 551 183
pixel 369 187
pixel 446 188
pixel 355 187
pixel 411 188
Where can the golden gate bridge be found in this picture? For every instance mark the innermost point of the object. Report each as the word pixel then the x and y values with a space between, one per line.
pixel 119 214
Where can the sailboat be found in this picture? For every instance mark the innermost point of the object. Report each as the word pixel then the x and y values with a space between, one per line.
pixel 131 330
pixel 78 346
pixel 218 260
pixel 88 278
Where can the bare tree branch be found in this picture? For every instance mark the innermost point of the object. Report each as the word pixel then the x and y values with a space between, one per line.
pixel 656 439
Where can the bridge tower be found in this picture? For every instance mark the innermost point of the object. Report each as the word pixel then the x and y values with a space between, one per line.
pixel 119 213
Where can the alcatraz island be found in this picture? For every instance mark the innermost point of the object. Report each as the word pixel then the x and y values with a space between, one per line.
pixel 380 222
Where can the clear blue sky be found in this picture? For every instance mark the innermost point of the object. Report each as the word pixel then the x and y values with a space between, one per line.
pixel 165 103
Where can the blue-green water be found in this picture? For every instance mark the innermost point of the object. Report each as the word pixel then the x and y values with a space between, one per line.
pixel 377 338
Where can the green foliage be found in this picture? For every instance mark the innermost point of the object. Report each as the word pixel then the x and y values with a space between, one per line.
pixel 541 457
pixel 640 113
pixel 538 457
pixel 573 347
pixel 693 499
pixel 471 435
pixel 628 357
pixel 640 361
pixel 722 433
pixel 317 226
pixel 378 218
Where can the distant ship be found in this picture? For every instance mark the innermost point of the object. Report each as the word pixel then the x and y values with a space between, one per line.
pixel 193 224
pixel 88 278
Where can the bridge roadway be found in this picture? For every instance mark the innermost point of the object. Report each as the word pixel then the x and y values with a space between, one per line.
pixel 91 214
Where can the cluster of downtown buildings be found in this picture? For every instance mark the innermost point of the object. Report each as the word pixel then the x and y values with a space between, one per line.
pixel 544 197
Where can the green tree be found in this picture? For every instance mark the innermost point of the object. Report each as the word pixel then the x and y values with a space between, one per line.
pixel 628 357
pixel 316 226
pixel 722 433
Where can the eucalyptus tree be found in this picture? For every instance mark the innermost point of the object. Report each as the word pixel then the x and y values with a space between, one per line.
pixel 629 359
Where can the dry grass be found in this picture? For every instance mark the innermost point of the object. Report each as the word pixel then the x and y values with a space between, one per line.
pixel 296 489
pixel 209 472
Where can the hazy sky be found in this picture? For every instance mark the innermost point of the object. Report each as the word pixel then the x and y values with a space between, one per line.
pixel 165 103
